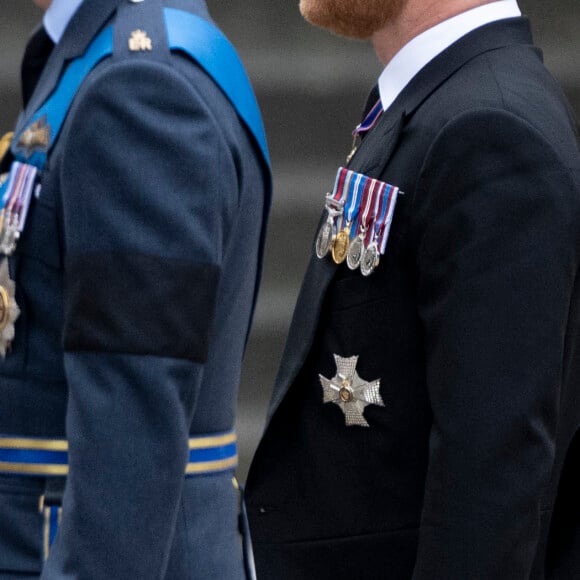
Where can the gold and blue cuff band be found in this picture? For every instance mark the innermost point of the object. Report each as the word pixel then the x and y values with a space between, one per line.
pixel 29 456
pixel 212 453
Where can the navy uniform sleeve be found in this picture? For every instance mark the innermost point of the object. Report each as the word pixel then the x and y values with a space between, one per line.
pixel 148 192
pixel 497 211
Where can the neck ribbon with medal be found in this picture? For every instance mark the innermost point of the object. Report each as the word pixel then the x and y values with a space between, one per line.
pixel 359 213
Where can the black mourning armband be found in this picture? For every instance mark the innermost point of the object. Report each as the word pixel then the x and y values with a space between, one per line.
pixel 139 304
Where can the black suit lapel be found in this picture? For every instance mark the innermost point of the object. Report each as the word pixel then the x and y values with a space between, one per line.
pixel 371 158
pixel 83 27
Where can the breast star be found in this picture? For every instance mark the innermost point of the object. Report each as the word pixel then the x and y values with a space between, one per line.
pixel 351 393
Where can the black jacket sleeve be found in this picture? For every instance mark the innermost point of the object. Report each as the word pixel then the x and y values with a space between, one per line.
pixel 497 256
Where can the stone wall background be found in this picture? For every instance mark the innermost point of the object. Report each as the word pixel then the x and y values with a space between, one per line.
pixel 311 86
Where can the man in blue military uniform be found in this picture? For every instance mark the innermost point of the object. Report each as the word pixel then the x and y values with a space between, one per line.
pixel 425 422
pixel 134 200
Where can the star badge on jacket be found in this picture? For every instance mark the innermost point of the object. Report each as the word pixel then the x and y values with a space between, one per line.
pixel 35 138
pixel 9 310
pixel 350 392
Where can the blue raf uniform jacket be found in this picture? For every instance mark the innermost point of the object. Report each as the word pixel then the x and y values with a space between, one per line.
pixel 136 277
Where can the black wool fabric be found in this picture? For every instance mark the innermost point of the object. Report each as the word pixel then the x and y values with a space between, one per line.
pixel 37 53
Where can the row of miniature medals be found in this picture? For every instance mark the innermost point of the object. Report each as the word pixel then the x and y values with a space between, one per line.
pixel 359 216
pixel 17 188
pixel 16 191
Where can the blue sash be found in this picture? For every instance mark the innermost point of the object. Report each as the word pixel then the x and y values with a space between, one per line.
pixel 197 37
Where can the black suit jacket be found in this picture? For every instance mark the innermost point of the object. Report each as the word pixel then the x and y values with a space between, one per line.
pixel 471 324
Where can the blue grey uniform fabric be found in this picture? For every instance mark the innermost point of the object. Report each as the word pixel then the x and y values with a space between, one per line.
pixel 471 322
pixel 136 277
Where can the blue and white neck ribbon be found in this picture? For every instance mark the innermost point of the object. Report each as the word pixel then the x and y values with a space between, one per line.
pixel 367 124
pixel 370 120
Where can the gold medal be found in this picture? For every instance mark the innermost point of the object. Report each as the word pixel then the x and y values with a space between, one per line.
pixel 340 245
pixel 9 310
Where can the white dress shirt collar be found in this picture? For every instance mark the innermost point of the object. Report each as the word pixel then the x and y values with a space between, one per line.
pixel 425 47
pixel 57 17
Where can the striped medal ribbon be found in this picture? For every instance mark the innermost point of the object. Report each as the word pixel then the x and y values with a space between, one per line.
pixel 370 256
pixel 393 194
pixel 16 191
pixel 16 194
pixel 342 241
pixel 366 217
pixel 334 208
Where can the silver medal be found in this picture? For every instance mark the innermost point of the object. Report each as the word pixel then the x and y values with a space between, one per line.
pixel 9 310
pixel 10 234
pixel 324 238
pixel 370 259
pixel 355 252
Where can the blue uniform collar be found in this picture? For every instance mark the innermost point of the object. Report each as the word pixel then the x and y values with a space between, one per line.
pixel 83 26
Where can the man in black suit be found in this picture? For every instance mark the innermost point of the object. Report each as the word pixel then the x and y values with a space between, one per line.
pixel 425 419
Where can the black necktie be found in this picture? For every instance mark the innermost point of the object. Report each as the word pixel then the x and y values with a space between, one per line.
pixel 36 54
